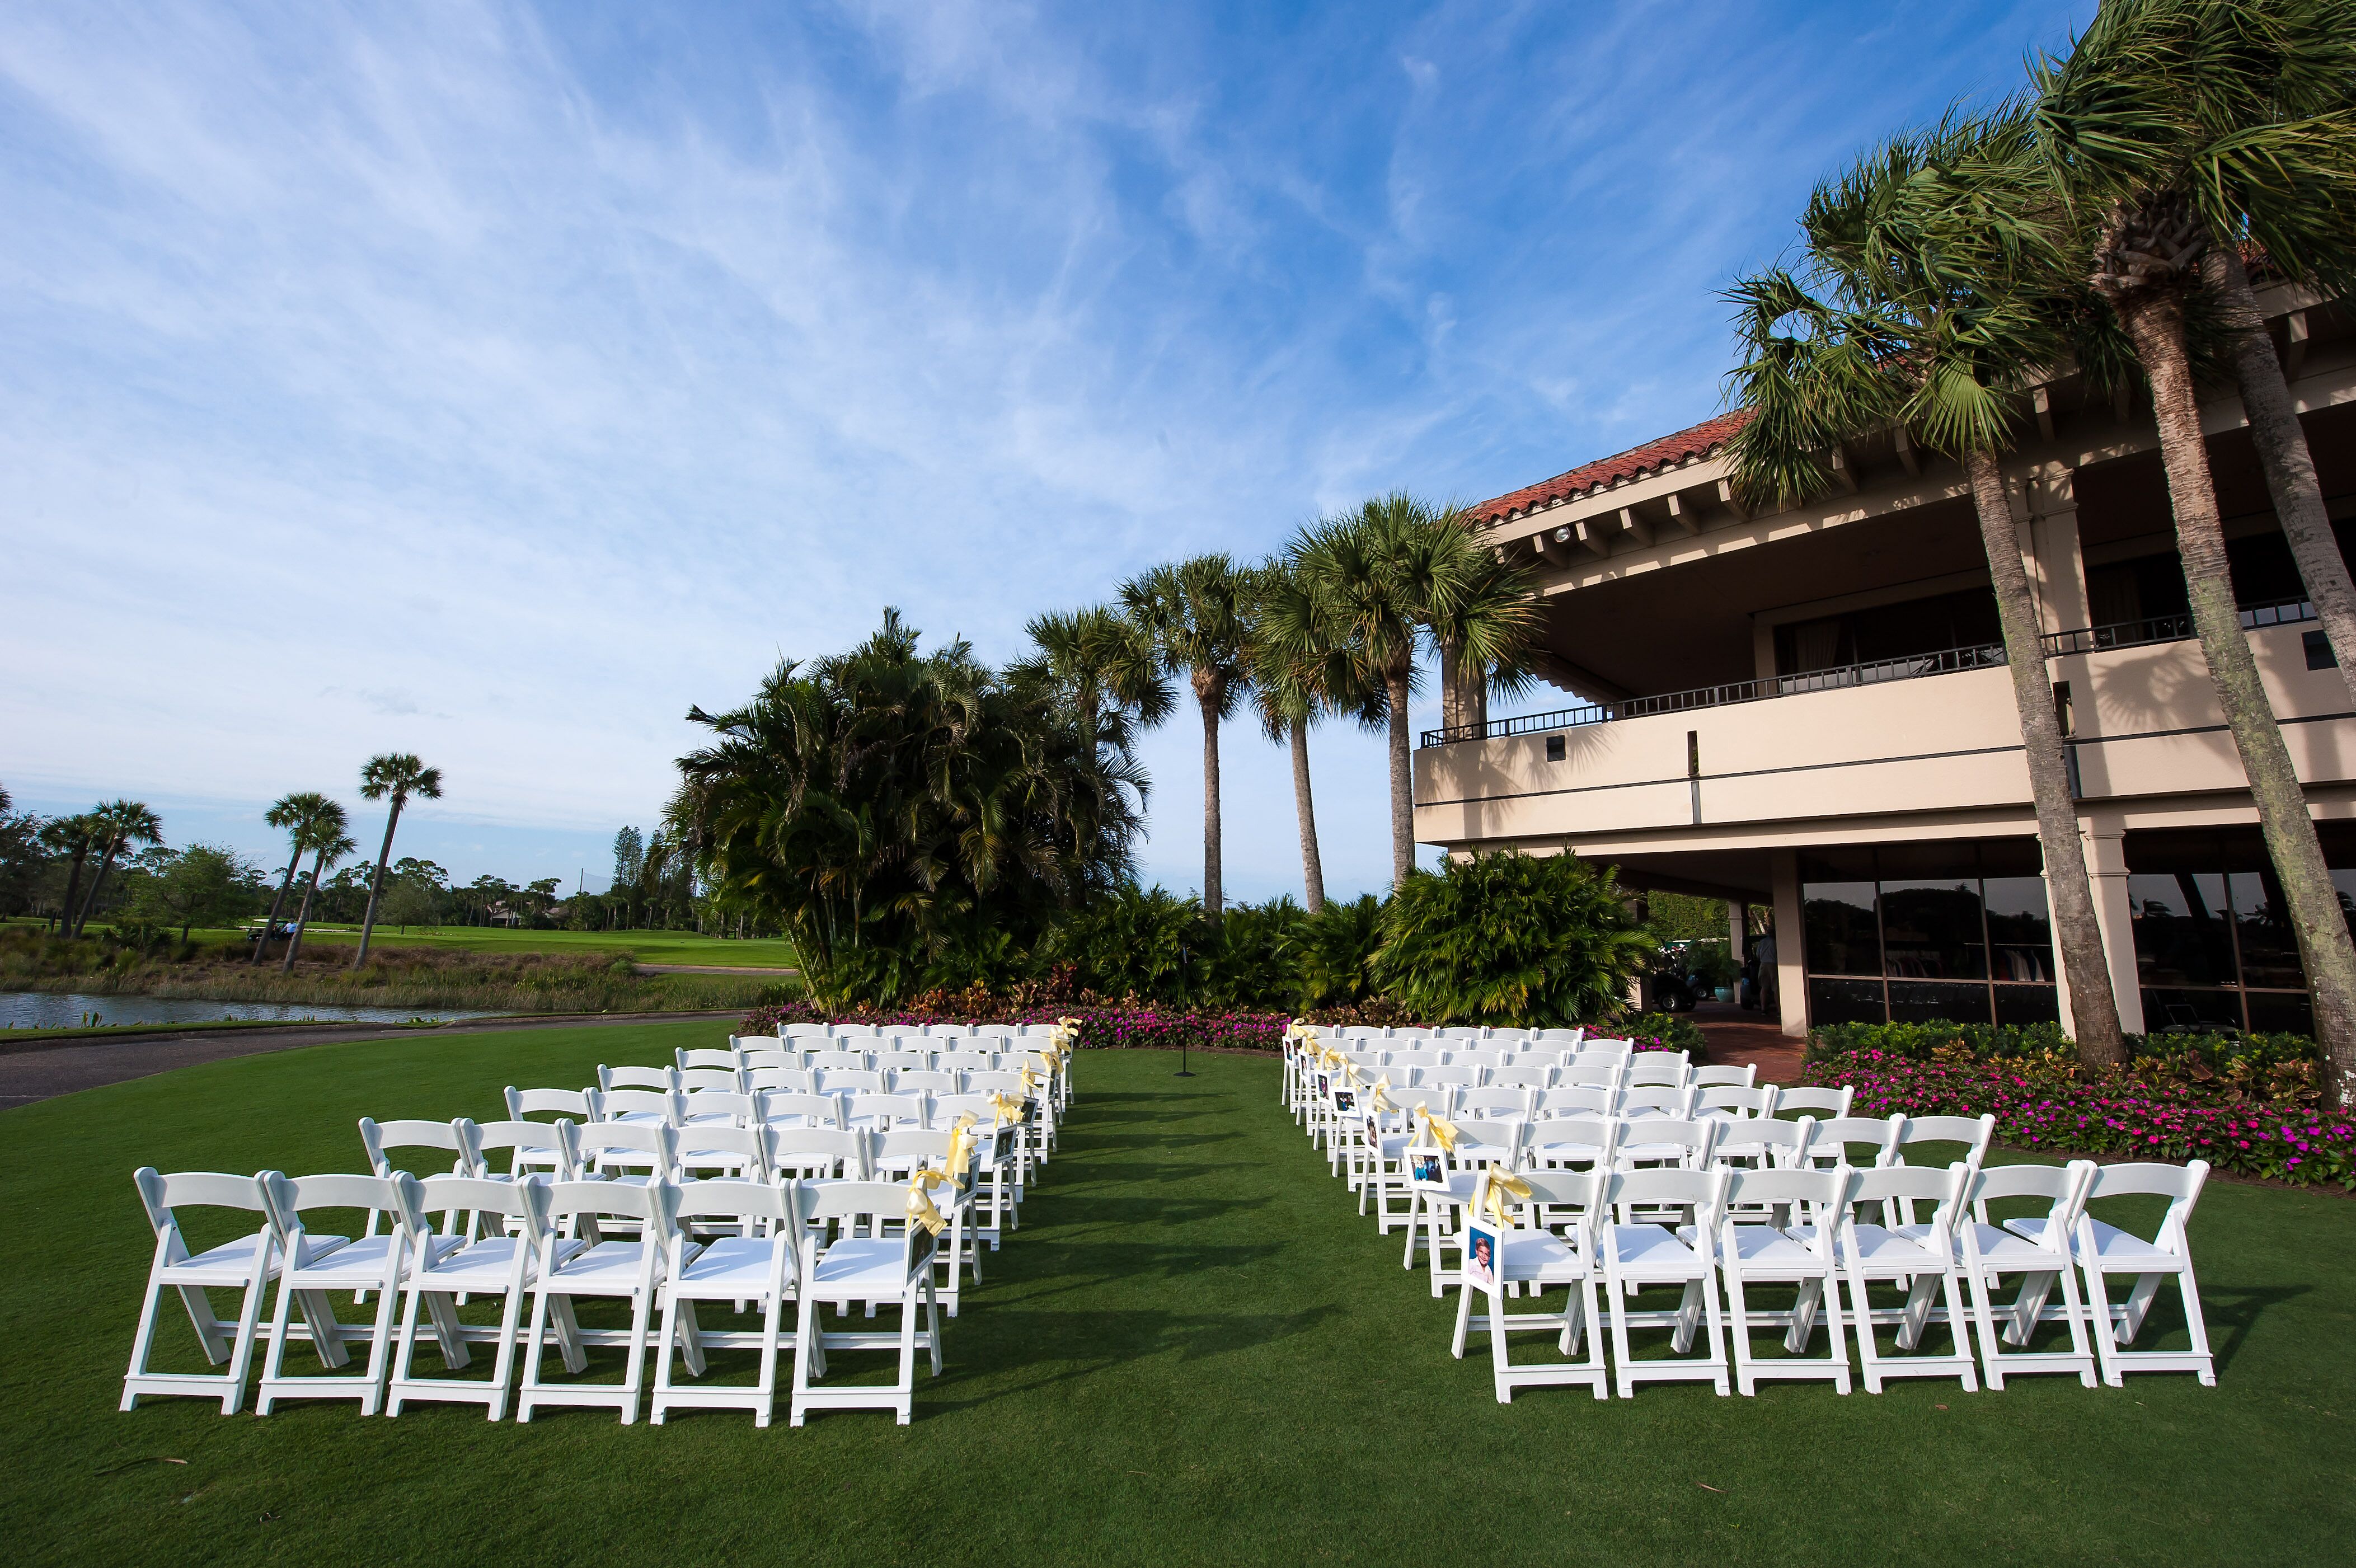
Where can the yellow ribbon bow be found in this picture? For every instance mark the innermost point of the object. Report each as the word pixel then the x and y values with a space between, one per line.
pixel 1008 1106
pixel 1442 1130
pixel 1030 1079
pixel 919 1207
pixel 1512 1187
pixel 1379 1098
pixel 960 1152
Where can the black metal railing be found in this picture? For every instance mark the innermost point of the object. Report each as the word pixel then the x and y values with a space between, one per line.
pixel 2169 629
pixel 1914 666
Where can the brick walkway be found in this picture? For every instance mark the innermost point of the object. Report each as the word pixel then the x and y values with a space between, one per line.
pixel 1739 1038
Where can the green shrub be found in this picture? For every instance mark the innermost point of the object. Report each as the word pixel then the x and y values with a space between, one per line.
pixel 1336 954
pixel 2273 1067
pixel 1665 1031
pixel 1511 938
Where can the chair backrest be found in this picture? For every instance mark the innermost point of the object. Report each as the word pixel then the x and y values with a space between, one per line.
pixel 1659 1101
pixel 823 1152
pixel 2061 1188
pixel 986 1082
pixel 532 1145
pixel 1814 1102
pixel 1908 1184
pixel 903 1061
pixel 1406 1097
pixel 1600 1133
pixel 744 1147
pixel 965 1061
pixel 1608 1043
pixel 1732 1101
pixel 160 1194
pixel 1516 1076
pixel 663 1105
pixel 1703 1191
pixel 703 1080
pixel 288 1197
pixel 525 1200
pixel 1452 1077
pixel 649 1203
pixel 1590 1074
pixel 1743 1077
pixel 1780 1142
pixel 858 1031
pixel 1502 1139
pixel 778 1205
pixel 573 1104
pixel 1577 1101
pixel 1477 1057
pixel 1972 1131
pixel 902 1148
pixel 926 1082
pixel 743 1110
pixel 817 1110
pixel 656 1141
pixel 952 1031
pixel 1558 1036
pixel 805 1031
pixel 839 1060
pixel 887 1110
pixel 1694 1140
pixel 1654 1069
pixel 1818 1198
pixel 869 1206
pixel 773 1061
pixel 455 1138
pixel 660 1078
pixel 1502 1104
pixel 853 1080
pixel 792 1079
pixel 726 1061
pixel 1840 1140
pixel 2180 1185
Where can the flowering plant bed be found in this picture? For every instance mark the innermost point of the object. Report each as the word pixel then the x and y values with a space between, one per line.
pixel 2043 1105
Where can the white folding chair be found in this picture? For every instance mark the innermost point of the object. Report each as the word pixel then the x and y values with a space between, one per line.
pixel 1444 1164
pixel 1658 1100
pixel 839 1060
pixel 458 1138
pixel 247 1266
pixel 1817 1102
pixel 848 1081
pixel 731 1153
pixel 500 1263
pixel 609 1269
pixel 1687 1142
pixel 758 1267
pixel 1522 1075
pixel 643 1107
pixel 866 1266
pixel 2042 1260
pixel 814 1154
pixel 1918 1256
pixel 2102 1249
pixel 1745 1076
pixel 1497 1104
pixel 1659 1070
pixel 1742 1110
pixel 1639 1254
pixel 1570 1038
pixel 901 1061
pixel 724 1061
pixel 964 1062
pixel 774 1060
pixel 567 1104
pixel 930 1081
pixel 718 1108
pixel 881 1112
pixel 1571 1139
pixel 780 1081
pixel 902 1154
pixel 635 1154
pixel 377 1262
pixel 697 1081
pixel 545 1148
pixel 1975 1133
pixel 662 1080
pixel 1751 1254
pixel 785 1108
pixel 1381 1147
pixel 1859 1141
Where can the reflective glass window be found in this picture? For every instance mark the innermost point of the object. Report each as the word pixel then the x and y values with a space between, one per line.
pixel 2020 932
pixel 1842 938
pixel 2180 935
pixel 1845 1001
pixel 2263 930
pixel 1921 1001
pixel 1931 930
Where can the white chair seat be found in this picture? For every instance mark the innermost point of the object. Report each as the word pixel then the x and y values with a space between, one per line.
pixel 1880 1248
pixel 1997 1245
pixel 1654 1253
pixel 1762 1248
pixel 599 1269
pixel 729 1266
pixel 1566 1151
pixel 359 1265
pixel 1541 1256
pixel 2121 1251
pixel 1635 1152
pixel 1486 1153
pixel 861 1265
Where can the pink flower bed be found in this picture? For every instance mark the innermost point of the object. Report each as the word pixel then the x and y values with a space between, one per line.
pixel 2050 1113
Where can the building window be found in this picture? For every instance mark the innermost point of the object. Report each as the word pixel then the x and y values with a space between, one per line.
pixel 2214 943
pixel 1555 748
pixel 1916 932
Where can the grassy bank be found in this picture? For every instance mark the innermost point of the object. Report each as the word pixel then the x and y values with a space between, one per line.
pixel 645 947
pixel 400 975
pixel 1192 1351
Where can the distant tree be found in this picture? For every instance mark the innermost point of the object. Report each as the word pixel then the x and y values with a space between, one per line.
pixel 22 856
pixel 296 815
pixel 327 843
pixel 125 824
pixel 398 774
pixel 410 901
pixel 1198 613
pixel 205 885
pixel 72 839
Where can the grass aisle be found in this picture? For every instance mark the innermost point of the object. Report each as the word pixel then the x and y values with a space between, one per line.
pixel 1191 1352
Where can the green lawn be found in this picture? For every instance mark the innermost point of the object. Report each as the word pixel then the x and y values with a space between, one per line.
pixel 1194 1352
pixel 646 946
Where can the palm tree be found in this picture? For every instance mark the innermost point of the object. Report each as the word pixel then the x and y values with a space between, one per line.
pixel 1301 670
pixel 328 845
pixel 123 824
pixel 1483 625
pixel 1106 665
pixel 2133 148
pixel 75 836
pixel 1921 304
pixel 1198 612
pixel 398 774
pixel 294 815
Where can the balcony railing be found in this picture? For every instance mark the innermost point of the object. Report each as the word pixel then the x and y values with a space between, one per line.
pixel 1911 667
pixel 2168 628
pixel 2086 640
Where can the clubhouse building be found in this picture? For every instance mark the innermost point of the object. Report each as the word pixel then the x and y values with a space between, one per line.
pixel 1809 709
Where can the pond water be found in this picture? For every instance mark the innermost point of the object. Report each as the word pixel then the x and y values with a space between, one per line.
pixel 72 1010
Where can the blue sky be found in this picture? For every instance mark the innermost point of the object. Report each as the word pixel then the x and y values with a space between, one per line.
pixel 493 381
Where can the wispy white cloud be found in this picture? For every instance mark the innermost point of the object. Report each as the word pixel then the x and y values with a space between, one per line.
pixel 494 382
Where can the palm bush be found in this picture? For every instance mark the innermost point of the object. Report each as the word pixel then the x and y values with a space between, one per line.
pixel 1511 938
pixel 1335 952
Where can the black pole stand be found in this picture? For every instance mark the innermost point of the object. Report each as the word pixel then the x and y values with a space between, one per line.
pixel 1182 1072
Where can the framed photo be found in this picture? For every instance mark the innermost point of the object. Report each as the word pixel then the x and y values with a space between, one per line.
pixel 1427 1167
pixel 1482 1250
pixel 1324 1085
pixel 1345 1101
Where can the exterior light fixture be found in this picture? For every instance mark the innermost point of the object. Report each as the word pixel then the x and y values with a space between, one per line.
pixel 1562 536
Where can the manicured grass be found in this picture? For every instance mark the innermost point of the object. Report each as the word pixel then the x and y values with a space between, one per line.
pixel 1192 1351
pixel 646 946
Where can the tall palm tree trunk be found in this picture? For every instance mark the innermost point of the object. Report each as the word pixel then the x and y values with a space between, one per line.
pixel 1402 783
pixel 2094 1008
pixel 73 892
pixel 1214 903
pixel 2155 322
pixel 294 942
pixel 376 883
pixel 1312 868
pixel 294 863
pixel 96 882
pixel 2283 453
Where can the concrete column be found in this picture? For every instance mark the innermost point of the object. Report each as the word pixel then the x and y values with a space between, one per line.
pixel 2057 571
pixel 2106 867
pixel 1791 944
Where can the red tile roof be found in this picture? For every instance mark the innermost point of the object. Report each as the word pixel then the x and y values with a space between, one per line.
pixel 1667 451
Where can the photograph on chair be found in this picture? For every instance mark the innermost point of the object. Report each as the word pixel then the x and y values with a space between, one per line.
pixel 1427 1166
pixel 1481 1254
pixel 1345 1101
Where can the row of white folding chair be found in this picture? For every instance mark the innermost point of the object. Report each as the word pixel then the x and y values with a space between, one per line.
pixel 551 1244
pixel 1583 1074
pixel 1740 1236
